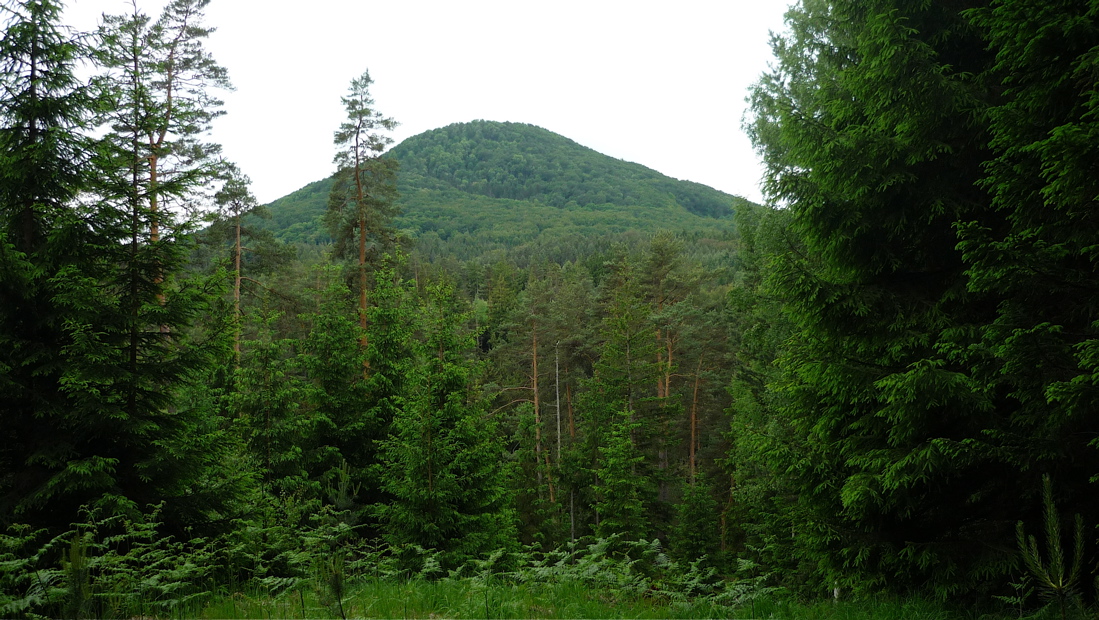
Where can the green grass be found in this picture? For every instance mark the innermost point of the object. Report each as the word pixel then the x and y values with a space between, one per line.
pixel 468 598
pixel 461 599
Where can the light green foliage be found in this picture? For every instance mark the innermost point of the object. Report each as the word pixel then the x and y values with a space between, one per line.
pixel 573 202
pixel 1055 579
pixel 508 160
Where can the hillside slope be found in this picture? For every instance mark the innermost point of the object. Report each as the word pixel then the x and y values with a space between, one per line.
pixel 473 188
pixel 525 162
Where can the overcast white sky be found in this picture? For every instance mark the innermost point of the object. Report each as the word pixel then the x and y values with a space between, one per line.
pixel 657 83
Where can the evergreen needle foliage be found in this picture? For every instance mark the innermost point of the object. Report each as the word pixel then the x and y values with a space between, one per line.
pixel 1055 578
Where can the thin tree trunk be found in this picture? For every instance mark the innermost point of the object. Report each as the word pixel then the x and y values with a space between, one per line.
pixel 661 390
pixel 534 388
pixel 572 514
pixel 360 207
pixel 668 366
pixel 572 419
pixel 549 479
pixel 557 394
pixel 694 421
pixel 540 458
pixel 236 293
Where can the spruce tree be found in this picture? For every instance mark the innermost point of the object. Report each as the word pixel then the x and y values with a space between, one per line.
pixel 154 170
pixel 442 461
pixel 618 408
pixel 269 404
pixel 105 342
pixel 43 156
pixel 352 410
pixel 871 126
pixel 1039 257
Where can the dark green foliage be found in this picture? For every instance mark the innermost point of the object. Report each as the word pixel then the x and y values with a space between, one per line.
pixel 871 129
pixel 41 151
pixel 442 462
pixel 96 332
pixel 697 530
pixel 1039 257
pixel 620 399
pixel 43 110
pixel 269 403
pixel 112 563
pixel 620 488
pixel 929 381
pixel 857 390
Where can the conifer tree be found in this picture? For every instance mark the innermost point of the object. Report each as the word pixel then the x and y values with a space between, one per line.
pixel 697 533
pixel 620 489
pixel 154 169
pixel 871 127
pixel 442 462
pixel 237 242
pixel 110 316
pixel 1039 256
pixel 159 85
pixel 617 408
pixel 269 402
pixel 43 155
pixel 354 411
pixel 360 204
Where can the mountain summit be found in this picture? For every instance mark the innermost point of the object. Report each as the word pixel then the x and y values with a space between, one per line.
pixel 524 162
pixel 471 188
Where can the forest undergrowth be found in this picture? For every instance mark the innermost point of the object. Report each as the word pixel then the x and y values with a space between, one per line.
pixel 119 567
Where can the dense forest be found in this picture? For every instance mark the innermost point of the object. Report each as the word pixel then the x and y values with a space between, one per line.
pixel 489 355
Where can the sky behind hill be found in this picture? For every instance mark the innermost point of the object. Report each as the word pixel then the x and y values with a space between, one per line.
pixel 658 83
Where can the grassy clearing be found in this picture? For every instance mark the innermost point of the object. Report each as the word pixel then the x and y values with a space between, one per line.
pixel 469 598
pixel 461 599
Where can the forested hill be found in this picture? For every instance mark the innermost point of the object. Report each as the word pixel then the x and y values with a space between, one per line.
pixel 483 186
pixel 525 162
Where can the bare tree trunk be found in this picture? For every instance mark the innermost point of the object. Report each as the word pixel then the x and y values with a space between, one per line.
pixel 360 207
pixel 236 292
pixel 534 388
pixel 572 419
pixel 661 389
pixel 541 458
pixel 669 343
pixel 694 422
pixel 557 394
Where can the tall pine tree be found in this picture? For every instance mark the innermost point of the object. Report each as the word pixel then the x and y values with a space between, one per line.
pixel 360 204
